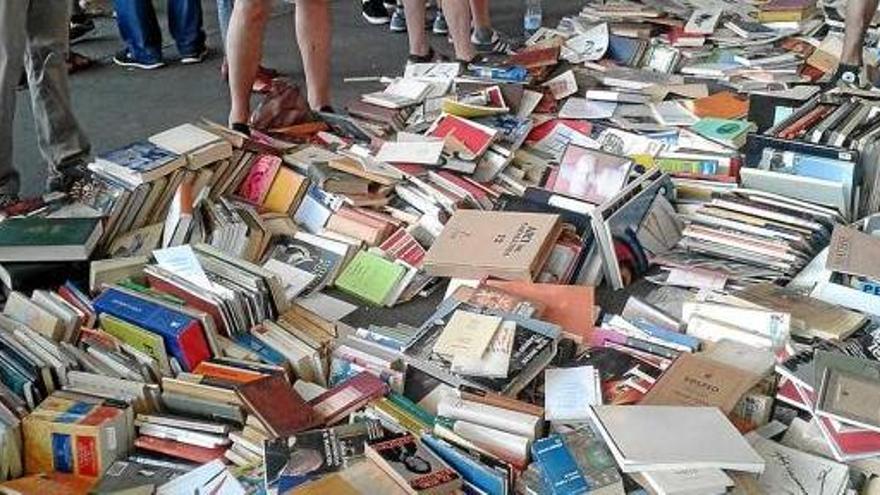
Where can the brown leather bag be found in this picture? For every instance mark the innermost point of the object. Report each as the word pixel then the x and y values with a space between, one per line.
pixel 284 105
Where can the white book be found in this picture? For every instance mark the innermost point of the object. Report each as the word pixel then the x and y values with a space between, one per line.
pixel 793 471
pixel 669 438
pixel 569 393
pixel 198 145
pixel 495 362
pixel 773 324
pixel 498 418
pixel 703 21
pixel 507 445
pixel 689 482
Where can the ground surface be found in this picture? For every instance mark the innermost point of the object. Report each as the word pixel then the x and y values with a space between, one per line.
pixel 117 106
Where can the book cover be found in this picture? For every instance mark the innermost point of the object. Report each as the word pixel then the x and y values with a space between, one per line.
pixel 558 467
pixel 150 343
pixel 334 404
pixel 286 191
pixel 183 335
pixel 722 130
pixel 293 461
pixel 475 137
pixel 590 175
pixel 507 245
pixel 412 465
pixel 258 181
pixel 48 239
pixel 140 158
pixel 179 450
pixel 693 380
pixel 849 389
pixel 278 406
pixel 370 277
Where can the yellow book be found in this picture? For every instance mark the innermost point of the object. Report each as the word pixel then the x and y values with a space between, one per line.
pixel 285 192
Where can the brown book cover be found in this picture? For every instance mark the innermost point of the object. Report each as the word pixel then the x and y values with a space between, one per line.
pixel 697 381
pixel 721 105
pixel 502 244
pixel 569 306
pixel 854 253
pixel 277 405
pixel 339 401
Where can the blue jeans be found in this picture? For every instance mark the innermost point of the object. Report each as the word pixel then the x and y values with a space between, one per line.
pixel 139 27
pixel 224 13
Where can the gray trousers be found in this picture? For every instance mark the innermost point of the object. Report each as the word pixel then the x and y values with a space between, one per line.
pixel 34 34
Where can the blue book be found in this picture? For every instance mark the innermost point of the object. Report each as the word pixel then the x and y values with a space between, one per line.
pixel 688 341
pixel 265 352
pixel 183 335
pixel 140 162
pixel 558 467
pixel 484 478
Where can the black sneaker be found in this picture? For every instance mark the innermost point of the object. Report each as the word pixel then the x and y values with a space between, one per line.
pixel 123 58
pixel 195 58
pixel 375 12
pixel 496 44
pixel 68 176
pixel 80 28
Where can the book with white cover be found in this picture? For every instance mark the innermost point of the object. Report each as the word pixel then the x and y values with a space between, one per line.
pixel 793 471
pixel 517 423
pixel 669 438
pixel 688 482
pixel 569 393
pixel 198 145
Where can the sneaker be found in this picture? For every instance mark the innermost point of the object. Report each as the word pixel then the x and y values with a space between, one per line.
pixel 68 176
pixel 375 12
pixel 389 4
pixel 440 26
pixel 80 28
pixel 123 58
pixel 195 58
pixel 398 21
pixel 494 45
pixel 848 76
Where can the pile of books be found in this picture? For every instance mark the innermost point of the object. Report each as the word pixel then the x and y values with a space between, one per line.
pixel 638 255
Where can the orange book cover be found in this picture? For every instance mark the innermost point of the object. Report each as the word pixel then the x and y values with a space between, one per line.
pixel 229 373
pixel 286 191
pixel 46 483
pixel 569 306
pixel 721 105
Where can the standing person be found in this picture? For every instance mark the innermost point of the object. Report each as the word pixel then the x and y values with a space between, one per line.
pixel 458 19
pixel 140 31
pixel 264 74
pixel 858 17
pixel 485 38
pixel 34 33
pixel 244 50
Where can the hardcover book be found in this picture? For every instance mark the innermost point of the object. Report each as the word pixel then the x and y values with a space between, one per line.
pixel 139 162
pixel 508 245
pixel 278 406
pixel 258 181
pixel 48 239
pixel 183 335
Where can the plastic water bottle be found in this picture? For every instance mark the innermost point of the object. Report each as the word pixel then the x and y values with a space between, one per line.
pixel 533 17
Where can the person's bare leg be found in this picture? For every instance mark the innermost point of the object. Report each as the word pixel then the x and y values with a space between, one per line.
pixel 313 36
pixel 244 50
pixel 858 16
pixel 458 17
pixel 482 21
pixel 415 27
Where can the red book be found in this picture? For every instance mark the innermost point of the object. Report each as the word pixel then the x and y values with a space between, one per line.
pixel 475 137
pixel 849 445
pixel 277 405
pixel 350 395
pixel 192 299
pixel 180 450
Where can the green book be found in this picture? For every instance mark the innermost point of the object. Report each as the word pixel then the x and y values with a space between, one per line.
pixel 723 130
pixel 370 277
pixel 145 341
pixel 48 239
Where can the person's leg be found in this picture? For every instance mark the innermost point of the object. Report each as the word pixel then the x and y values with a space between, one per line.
pixel 458 17
pixel 858 16
pixel 482 21
pixel 244 50
pixel 59 136
pixel 414 10
pixel 185 24
pixel 13 14
pixel 313 36
pixel 139 29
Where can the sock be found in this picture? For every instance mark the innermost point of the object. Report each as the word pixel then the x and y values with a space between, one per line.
pixel 242 128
